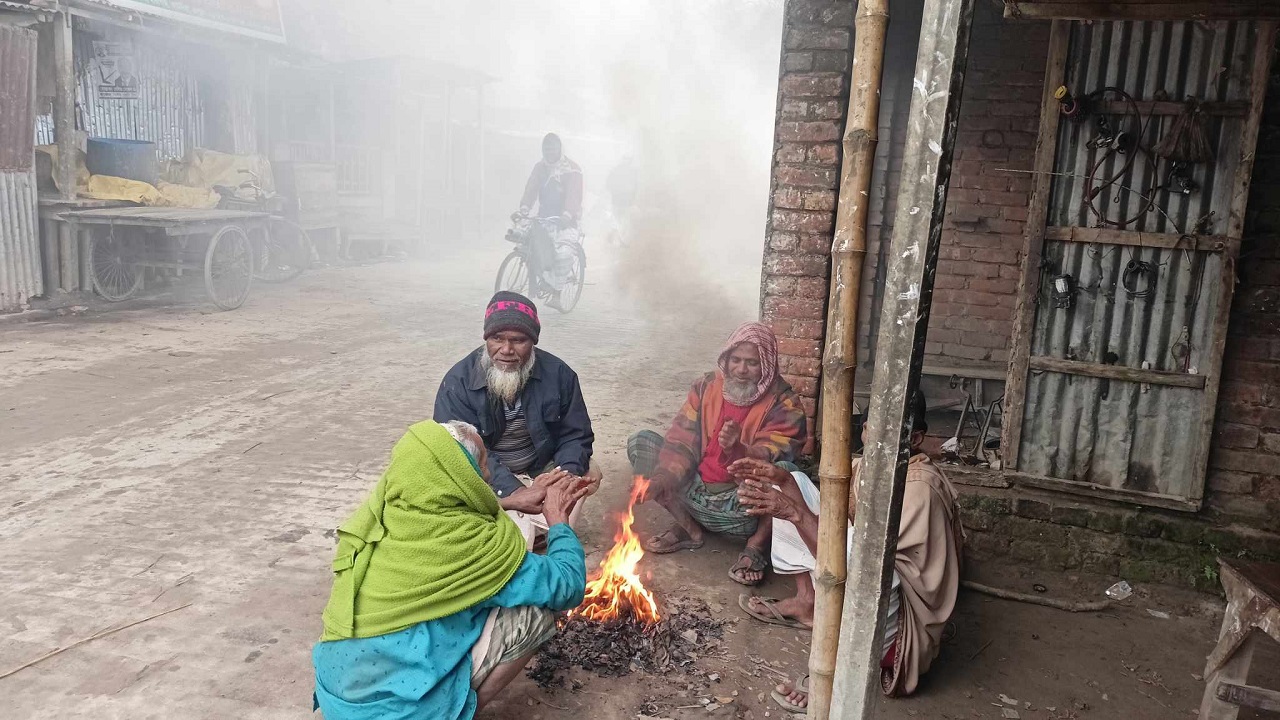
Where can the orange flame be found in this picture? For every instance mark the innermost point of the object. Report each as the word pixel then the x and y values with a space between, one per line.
pixel 617 588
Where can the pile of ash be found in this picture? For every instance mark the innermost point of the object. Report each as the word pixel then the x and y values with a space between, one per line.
pixel 624 645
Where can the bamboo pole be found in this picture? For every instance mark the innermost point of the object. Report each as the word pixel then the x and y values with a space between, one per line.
pixel 848 249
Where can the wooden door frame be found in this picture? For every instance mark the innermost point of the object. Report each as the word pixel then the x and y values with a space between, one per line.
pixel 1037 230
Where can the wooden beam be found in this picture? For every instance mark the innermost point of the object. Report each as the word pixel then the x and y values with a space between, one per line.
pixel 922 197
pixel 1170 107
pixel 1131 497
pixel 1037 216
pixel 840 356
pixel 1263 50
pixel 1117 372
pixel 64 108
pixel 1249 696
pixel 1053 10
pixel 1135 238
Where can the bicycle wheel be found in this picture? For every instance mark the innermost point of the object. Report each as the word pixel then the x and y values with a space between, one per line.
pixel 285 252
pixel 571 291
pixel 115 276
pixel 513 274
pixel 228 267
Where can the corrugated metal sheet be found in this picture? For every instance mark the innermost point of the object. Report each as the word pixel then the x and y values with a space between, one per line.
pixel 1151 60
pixel 1138 437
pixel 20 277
pixel 168 110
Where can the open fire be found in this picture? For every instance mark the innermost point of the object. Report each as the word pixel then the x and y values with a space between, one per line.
pixel 617 591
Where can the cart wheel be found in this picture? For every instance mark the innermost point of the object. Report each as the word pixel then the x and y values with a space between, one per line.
pixel 571 291
pixel 115 276
pixel 228 267
pixel 284 253
pixel 513 274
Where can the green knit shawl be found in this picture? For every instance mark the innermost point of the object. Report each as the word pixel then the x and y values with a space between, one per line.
pixel 430 541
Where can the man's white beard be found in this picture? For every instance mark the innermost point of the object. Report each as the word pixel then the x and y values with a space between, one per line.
pixel 739 392
pixel 506 384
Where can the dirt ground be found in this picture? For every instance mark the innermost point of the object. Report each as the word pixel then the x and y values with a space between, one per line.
pixel 161 455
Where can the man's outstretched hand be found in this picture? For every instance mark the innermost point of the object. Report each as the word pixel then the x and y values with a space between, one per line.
pixel 561 498
pixel 528 500
pixel 730 435
pixel 763 498
pixel 552 477
pixel 753 468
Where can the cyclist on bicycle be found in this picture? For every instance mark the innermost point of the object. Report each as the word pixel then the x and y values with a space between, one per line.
pixel 556 186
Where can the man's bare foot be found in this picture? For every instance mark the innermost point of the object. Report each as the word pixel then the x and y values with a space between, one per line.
pixel 674 539
pixel 794 697
pixel 750 567
pixel 793 607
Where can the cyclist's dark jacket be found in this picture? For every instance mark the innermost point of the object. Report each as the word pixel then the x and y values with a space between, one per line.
pixel 555 414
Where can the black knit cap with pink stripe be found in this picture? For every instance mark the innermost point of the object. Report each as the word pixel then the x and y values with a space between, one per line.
pixel 511 311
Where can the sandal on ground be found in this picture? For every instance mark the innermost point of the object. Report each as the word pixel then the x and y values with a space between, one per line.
pixel 658 546
pixel 773 617
pixel 801 686
pixel 757 561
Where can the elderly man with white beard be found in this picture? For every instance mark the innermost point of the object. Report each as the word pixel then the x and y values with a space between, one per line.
pixel 528 407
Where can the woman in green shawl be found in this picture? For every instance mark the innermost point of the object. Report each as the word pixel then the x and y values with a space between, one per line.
pixel 436 603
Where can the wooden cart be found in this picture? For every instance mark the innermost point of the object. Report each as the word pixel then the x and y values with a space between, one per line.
pixel 123 242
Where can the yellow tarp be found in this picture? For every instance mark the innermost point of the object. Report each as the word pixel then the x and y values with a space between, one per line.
pixel 207 168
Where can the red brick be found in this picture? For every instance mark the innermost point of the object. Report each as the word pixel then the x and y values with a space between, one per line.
pixel 806 386
pixel 1012 272
pixel 992 285
pixel 832 61
pixel 817 131
pixel 796 221
pixel 791 153
pixel 830 110
pixel 824 200
pixel 991 312
pixel 825 154
pixel 788 197
pixel 1008 228
pixel 796 265
pixel 785 242
pixel 797 62
pixel 1231 435
pixel 1271 443
pixel 968 353
pixel 806 367
pixel 948 282
pixel 779 287
pixel 812 85
pixel 816 243
pixel 1244 461
pixel 980 182
pixel 808 39
pixel 814 288
pixel 795 308
pixel 794 110
pixel 956 267
pixel 1016 199
pixel 1231 483
pixel 981 153
pixel 806 176
pixel 799 348
pixel 1017 214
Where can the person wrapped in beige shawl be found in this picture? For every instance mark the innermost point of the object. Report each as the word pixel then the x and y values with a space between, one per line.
pixel 926 568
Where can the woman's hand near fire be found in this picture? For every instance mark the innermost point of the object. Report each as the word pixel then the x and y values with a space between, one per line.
pixel 562 497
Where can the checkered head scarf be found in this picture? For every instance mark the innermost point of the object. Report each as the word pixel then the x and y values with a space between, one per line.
pixel 766 342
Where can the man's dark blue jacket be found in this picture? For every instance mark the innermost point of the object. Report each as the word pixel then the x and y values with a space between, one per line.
pixel 555 414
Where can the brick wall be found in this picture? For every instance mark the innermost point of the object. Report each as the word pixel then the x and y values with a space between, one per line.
pixel 976 284
pixel 813 92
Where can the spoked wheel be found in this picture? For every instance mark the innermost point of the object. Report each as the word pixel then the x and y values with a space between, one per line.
pixel 229 267
pixel 285 252
pixel 513 274
pixel 576 277
pixel 115 276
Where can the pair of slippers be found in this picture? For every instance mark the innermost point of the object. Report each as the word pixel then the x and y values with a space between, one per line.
pixel 677 538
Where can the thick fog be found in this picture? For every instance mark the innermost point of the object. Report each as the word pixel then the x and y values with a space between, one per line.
pixel 686 88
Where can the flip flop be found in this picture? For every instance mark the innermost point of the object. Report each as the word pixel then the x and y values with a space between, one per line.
pixel 801 685
pixel 756 561
pixel 774 617
pixel 683 542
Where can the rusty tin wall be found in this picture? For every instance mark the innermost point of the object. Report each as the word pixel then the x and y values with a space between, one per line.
pixel 20 276
pixel 168 110
pixel 1138 437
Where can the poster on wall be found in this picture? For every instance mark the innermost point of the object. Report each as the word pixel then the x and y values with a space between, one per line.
pixel 115 73
pixel 255 18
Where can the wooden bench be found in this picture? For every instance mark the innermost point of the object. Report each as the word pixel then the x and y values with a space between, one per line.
pixel 1253 604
